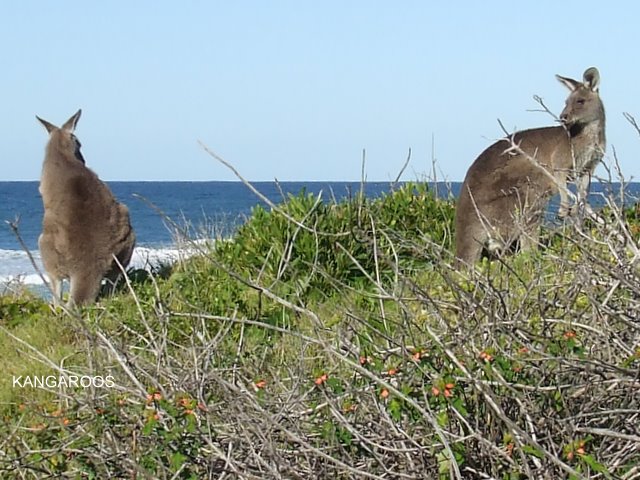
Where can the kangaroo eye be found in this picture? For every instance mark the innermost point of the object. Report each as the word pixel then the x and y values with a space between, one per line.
pixel 581 101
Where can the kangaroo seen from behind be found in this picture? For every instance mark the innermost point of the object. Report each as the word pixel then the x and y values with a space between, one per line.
pixel 84 226
pixel 506 190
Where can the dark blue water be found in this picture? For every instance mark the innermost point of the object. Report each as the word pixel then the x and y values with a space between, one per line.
pixel 198 209
pixel 202 208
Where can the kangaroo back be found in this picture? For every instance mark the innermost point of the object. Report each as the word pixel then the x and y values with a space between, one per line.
pixel 84 227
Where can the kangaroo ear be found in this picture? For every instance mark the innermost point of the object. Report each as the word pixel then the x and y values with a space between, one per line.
pixel 70 125
pixel 49 126
pixel 592 79
pixel 570 83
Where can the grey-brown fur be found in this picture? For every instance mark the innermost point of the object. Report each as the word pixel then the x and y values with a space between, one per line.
pixel 83 226
pixel 507 189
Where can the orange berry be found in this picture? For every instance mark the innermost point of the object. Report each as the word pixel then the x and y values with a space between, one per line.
pixel 261 383
pixel 487 357
pixel 447 393
pixel 392 371
pixel 157 396
pixel 321 379
pixel 435 391
pixel 450 386
pixel 509 449
pixel 384 393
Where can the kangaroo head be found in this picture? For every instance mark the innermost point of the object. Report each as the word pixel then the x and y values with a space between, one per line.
pixel 583 106
pixel 63 139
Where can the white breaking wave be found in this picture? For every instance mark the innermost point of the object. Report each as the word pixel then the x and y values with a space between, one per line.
pixel 15 265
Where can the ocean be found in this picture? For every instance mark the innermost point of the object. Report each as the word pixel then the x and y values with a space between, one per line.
pixel 203 210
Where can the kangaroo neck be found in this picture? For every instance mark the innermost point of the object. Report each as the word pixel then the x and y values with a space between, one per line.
pixel 587 146
pixel 591 133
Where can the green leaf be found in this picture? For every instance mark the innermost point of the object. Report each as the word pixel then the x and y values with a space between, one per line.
pixel 532 451
pixel 595 466
pixel 395 409
pixel 335 385
pixel 458 404
pixel 148 427
pixel 443 418
pixel 177 460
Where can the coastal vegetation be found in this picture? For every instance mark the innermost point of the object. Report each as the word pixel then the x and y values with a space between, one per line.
pixel 336 340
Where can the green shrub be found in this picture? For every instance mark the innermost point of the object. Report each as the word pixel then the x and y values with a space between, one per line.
pixel 347 347
pixel 339 244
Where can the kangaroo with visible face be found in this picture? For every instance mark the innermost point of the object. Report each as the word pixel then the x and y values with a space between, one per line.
pixel 84 227
pixel 508 187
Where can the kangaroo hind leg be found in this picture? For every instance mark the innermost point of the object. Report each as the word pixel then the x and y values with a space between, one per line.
pixel 84 288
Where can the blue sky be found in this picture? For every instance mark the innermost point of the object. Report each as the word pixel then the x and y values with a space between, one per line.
pixel 295 90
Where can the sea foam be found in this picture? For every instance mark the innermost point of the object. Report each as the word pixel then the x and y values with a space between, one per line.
pixel 16 267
